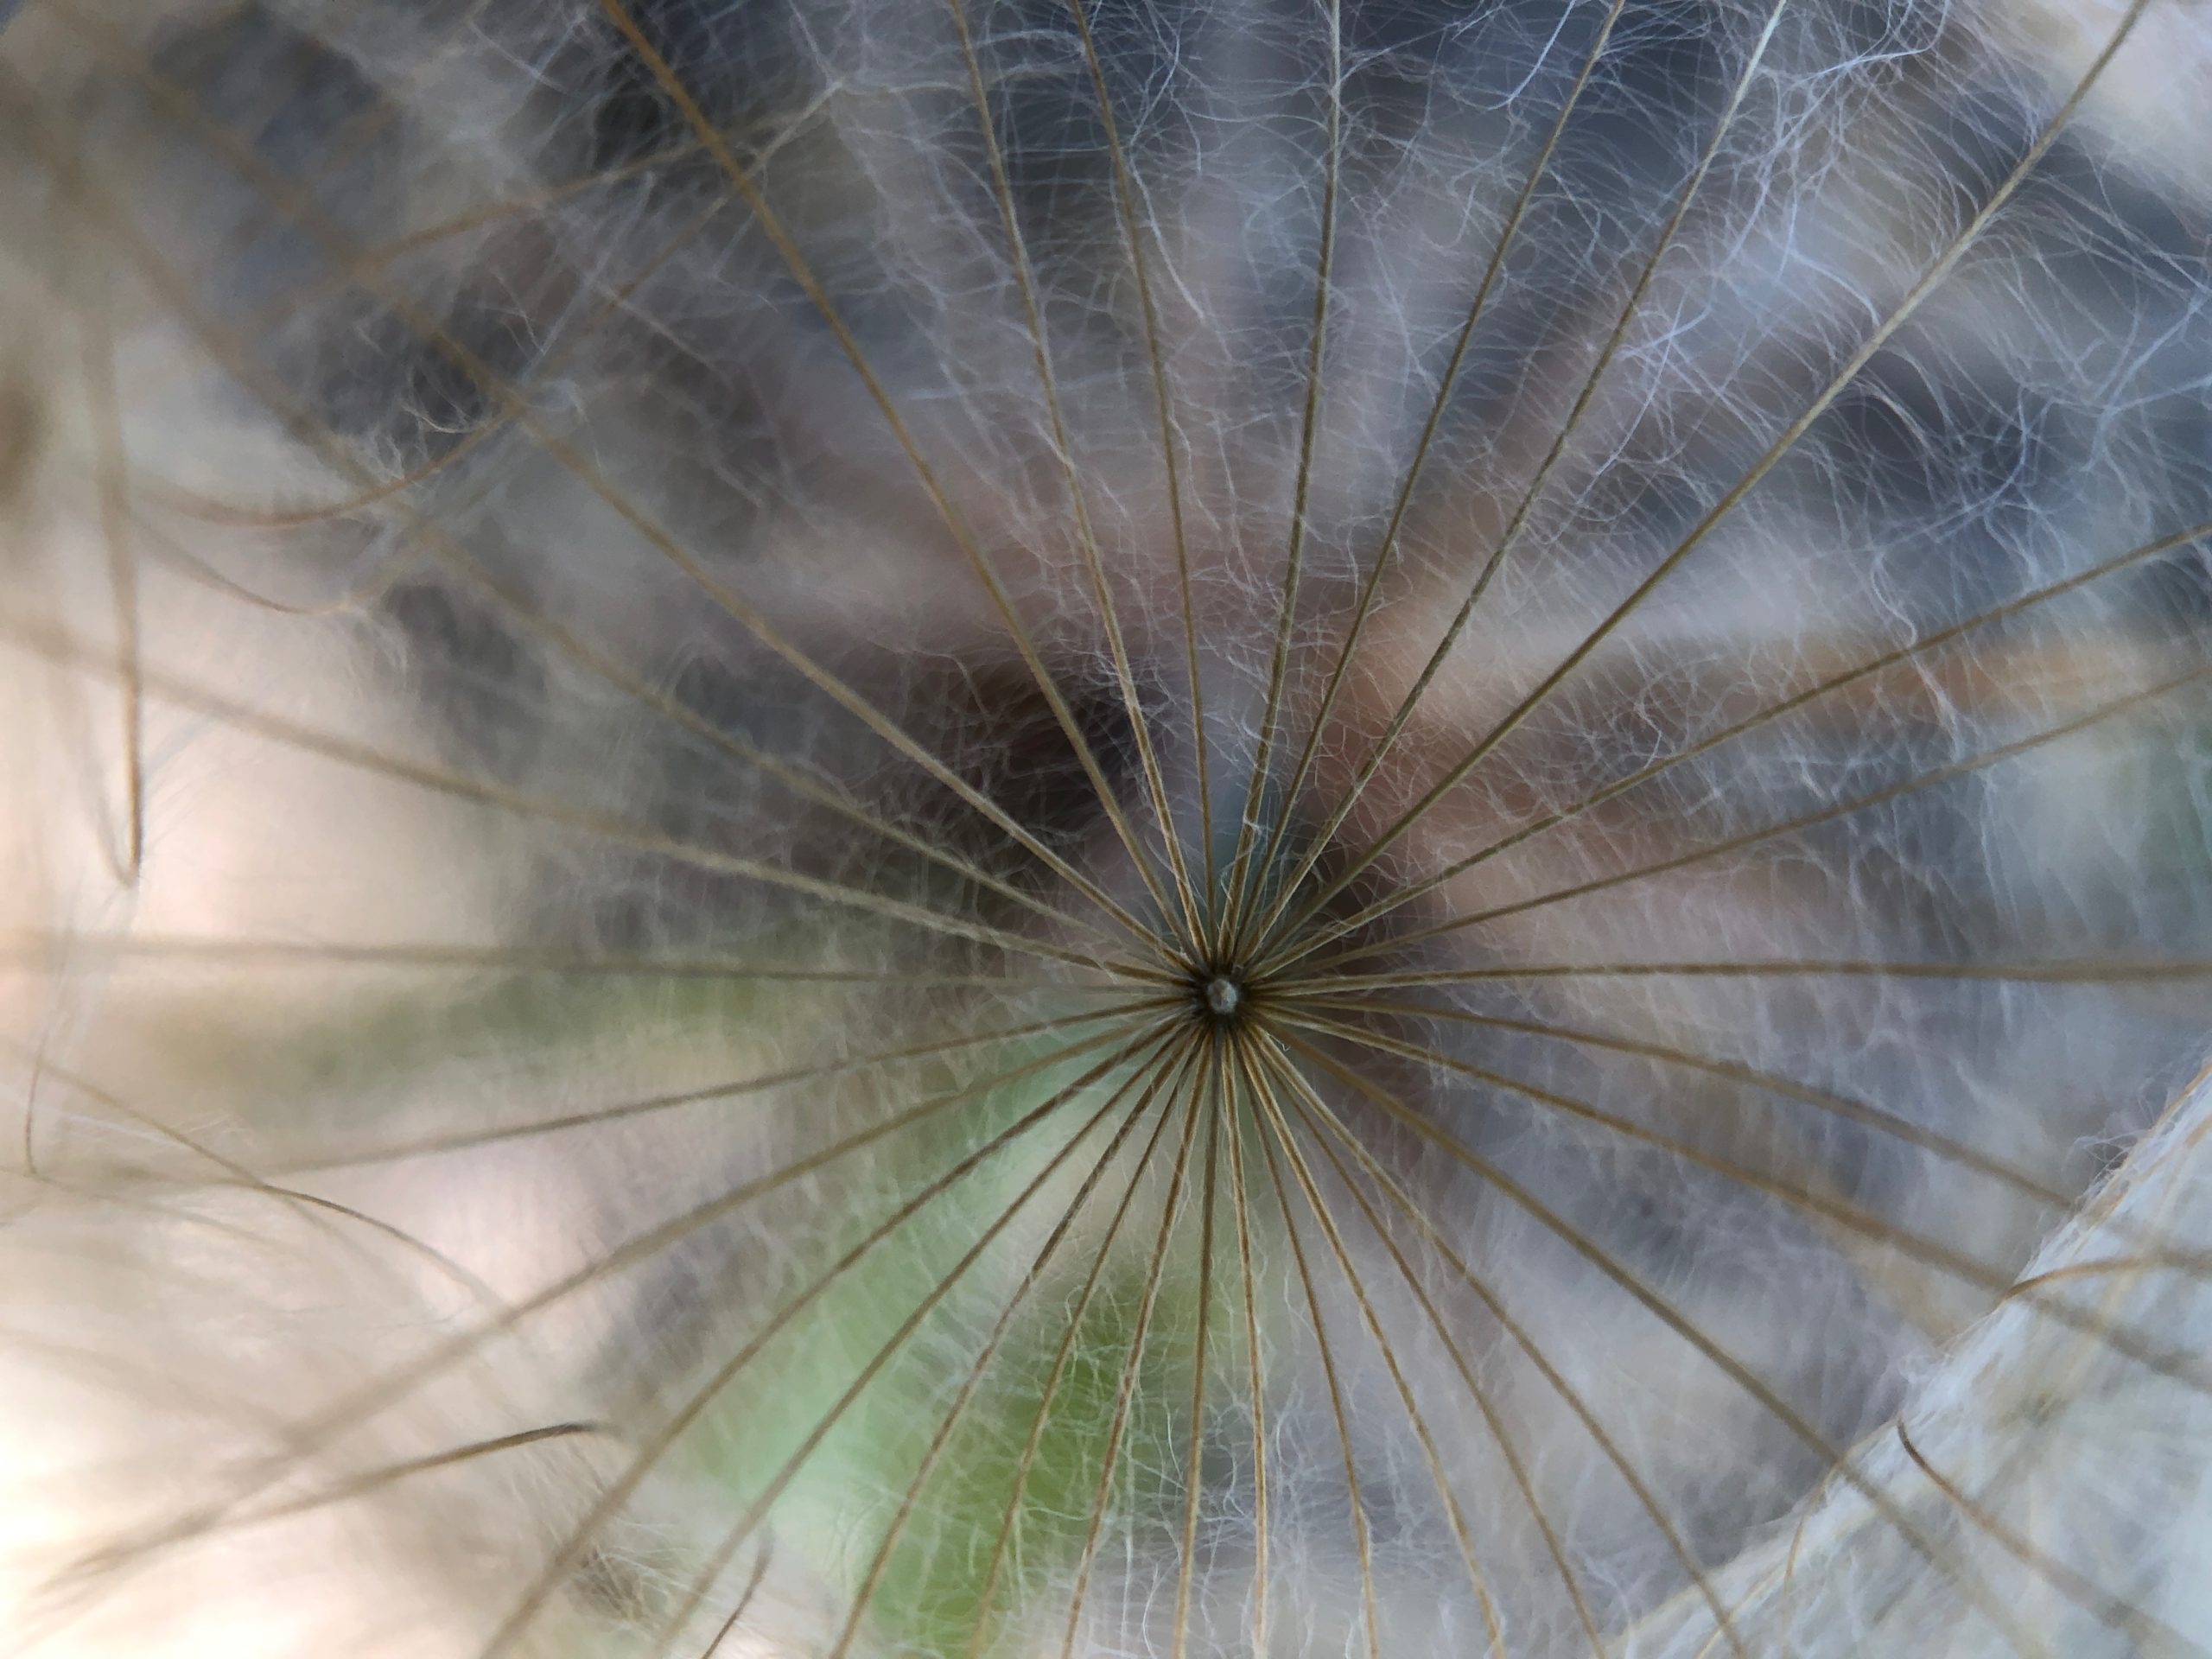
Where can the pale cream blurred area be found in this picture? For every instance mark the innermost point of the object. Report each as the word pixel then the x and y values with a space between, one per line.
pixel 2156 104
pixel 173 883
pixel 172 1321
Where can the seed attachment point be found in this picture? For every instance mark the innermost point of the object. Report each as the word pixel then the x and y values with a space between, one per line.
pixel 1224 996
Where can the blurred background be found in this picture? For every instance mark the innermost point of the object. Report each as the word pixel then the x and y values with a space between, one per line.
pixel 611 611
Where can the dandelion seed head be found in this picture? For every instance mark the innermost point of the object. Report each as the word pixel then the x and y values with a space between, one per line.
pixel 1017 828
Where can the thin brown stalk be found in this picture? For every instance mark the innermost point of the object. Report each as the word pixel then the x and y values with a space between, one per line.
pixel 1756 1387
pixel 1018 1487
pixel 56 644
pixel 177 295
pixel 618 1492
pixel 1412 892
pixel 380 1394
pixel 1126 210
pixel 1314 1202
pixel 1951 1263
pixel 1244 885
pixel 1173 1060
pixel 1966 766
pixel 1226 1083
pixel 1931 278
pixel 741 182
pixel 1194 1446
pixel 2058 970
pixel 1363 607
pixel 1148 1069
pixel 1363 1543
pixel 1684 199
pixel 1125 1390
pixel 1078 502
pixel 648 1105
pixel 1316 1113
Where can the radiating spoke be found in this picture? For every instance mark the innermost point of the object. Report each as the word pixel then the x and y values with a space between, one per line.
pixel 1193 940
pixel 1245 885
pixel 1725 1363
pixel 382 1393
pixel 1403 714
pixel 1172 1062
pixel 571 460
pixel 1412 892
pixel 650 1105
pixel 1017 1490
pixel 1280 1125
pixel 611 1500
pixel 57 646
pixel 1480 1396
pixel 572 645
pixel 2108 710
pixel 1821 1100
pixel 1125 208
pixel 597 663
pixel 1933 1252
pixel 1266 1109
pixel 1227 1082
pixel 741 182
pixel 1194 1445
pixel 2058 970
pixel 1363 607
pixel 36 951
pixel 2159 1252
pixel 510 601
pixel 1148 1069
pixel 1931 278
pixel 1125 1390
pixel 1827 1101
pixel 1317 1111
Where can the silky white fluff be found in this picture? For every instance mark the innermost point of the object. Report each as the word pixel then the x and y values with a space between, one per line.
pixel 643 637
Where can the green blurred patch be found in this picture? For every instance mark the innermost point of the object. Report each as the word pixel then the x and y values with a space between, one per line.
pixel 928 1599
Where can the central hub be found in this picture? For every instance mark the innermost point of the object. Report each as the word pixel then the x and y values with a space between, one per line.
pixel 1224 996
